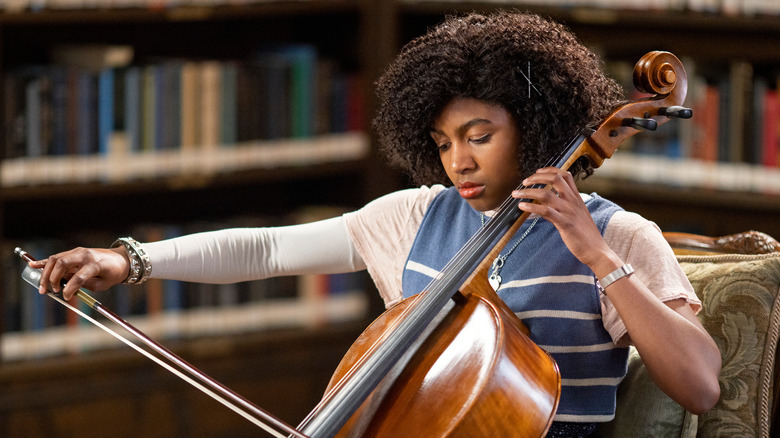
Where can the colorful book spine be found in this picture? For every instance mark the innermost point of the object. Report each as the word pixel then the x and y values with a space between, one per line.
pixel 173 105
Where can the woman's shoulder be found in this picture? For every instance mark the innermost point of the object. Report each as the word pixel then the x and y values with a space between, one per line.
pixel 630 233
pixel 398 210
pixel 632 224
pixel 406 199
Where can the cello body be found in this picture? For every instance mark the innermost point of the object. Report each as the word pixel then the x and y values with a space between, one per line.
pixel 477 362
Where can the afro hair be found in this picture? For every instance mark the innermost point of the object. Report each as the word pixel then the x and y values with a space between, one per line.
pixel 534 68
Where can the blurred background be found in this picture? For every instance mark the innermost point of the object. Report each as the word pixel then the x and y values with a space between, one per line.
pixel 155 118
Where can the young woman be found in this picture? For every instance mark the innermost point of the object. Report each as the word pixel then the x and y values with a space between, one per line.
pixel 480 104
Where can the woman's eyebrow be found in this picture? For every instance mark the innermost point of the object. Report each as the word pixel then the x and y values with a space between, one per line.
pixel 464 127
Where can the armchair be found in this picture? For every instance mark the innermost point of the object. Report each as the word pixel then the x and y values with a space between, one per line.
pixel 737 278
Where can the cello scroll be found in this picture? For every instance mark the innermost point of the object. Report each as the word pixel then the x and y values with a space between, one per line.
pixel 658 73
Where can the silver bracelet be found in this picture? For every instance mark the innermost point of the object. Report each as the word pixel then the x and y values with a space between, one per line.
pixel 617 274
pixel 140 264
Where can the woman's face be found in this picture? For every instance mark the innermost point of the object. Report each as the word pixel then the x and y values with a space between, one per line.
pixel 478 148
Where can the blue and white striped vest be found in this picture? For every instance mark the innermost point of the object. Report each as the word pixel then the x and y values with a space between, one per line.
pixel 552 292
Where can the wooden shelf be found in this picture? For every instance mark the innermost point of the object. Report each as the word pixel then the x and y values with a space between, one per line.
pixel 674 19
pixel 119 207
pixel 267 10
pixel 180 183
pixel 197 33
pixel 253 162
pixel 192 324
pixel 698 210
pixel 625 33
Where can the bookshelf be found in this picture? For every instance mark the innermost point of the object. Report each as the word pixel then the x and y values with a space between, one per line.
pixel 103 106
pixel 196 117
pixel 52 200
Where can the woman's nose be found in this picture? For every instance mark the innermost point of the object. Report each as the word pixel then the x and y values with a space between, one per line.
pixel 461 159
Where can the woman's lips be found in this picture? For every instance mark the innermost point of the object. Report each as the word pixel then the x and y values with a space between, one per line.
pixel 470 190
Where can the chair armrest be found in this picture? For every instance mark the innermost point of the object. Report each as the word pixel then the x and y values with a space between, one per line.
pixel 748 242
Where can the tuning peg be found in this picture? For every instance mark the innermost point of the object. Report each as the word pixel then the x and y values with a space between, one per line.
pixel 679 112
pixel 641 123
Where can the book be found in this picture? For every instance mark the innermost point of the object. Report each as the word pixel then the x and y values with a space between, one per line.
pixel 770 129
pixel 739 111
pixel 105 109
pixel 211 103
pixel 149 108
pixel 190 104
pixel 705 121
pixel 228 110
pixel 132 112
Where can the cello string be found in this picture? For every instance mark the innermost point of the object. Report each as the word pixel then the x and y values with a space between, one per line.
pixel 170 368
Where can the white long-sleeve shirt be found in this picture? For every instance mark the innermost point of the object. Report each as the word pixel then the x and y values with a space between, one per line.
pixel 378 237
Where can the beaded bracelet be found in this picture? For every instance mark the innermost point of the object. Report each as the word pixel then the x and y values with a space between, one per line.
pixel 140 264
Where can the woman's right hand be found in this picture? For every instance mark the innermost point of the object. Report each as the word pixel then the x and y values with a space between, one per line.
pixel 93 268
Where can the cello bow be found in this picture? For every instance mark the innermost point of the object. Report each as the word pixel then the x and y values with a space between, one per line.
pixel 175 364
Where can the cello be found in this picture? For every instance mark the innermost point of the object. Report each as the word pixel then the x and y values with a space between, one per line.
pixel 504 383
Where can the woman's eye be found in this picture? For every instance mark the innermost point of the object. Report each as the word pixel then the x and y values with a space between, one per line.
pixel 481 140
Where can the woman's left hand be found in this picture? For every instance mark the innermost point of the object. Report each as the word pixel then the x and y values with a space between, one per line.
pixel 565 209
